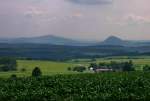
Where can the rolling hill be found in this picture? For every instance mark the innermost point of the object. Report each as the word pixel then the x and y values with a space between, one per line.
pixel 47 39
pixel 113 40
pixel 116 41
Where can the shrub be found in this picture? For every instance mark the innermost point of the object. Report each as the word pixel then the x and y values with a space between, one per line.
pixel 69 68
pixel 146 68
pixel 13 77
pixel 79 68
pixel 23 70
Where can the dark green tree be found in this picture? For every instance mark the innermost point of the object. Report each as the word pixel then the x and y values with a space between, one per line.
pixel 79 68
pixel 93 65
pixel 13 77
pixel 69 68
pixel 36 72
pixel 146 68
pixel 128 66
pixel 8 64
pixel 116 65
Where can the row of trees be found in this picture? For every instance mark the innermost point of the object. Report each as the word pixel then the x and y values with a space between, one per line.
pixel 8 64
pixel 77 68
pixel 146 68
pixel 116 66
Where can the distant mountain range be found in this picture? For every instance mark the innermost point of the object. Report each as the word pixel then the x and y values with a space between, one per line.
pixel 47 39
pixel 56 40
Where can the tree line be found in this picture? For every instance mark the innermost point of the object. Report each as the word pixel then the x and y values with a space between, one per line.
pixel 8 64
pixel 115 66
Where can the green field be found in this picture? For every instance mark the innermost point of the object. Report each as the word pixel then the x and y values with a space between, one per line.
pixel 51 68
pixel 139 61
pixel 47 68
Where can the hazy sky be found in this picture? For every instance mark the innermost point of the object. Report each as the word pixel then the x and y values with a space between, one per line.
pixel 78 19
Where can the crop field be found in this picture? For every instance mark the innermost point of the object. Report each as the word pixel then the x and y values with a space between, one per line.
pixel 78 87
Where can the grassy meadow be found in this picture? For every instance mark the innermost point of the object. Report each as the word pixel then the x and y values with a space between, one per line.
pixel 47 68
pixel 51 67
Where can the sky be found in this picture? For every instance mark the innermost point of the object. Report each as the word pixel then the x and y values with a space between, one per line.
pixel 76 19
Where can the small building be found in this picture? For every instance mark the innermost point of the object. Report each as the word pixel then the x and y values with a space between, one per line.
pixel 91 69
pixel 103 70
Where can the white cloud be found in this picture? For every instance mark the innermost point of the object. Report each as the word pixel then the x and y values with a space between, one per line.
pixel 35 12
pixel 130 19
pixel 137 19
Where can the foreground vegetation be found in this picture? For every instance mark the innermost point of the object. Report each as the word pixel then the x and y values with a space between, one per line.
pixel 121 86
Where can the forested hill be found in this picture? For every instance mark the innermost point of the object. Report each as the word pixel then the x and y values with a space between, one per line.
pixel 61 52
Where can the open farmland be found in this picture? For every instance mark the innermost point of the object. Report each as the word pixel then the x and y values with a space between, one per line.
pixel 51 67
pixel 47 68
pixel 138 61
